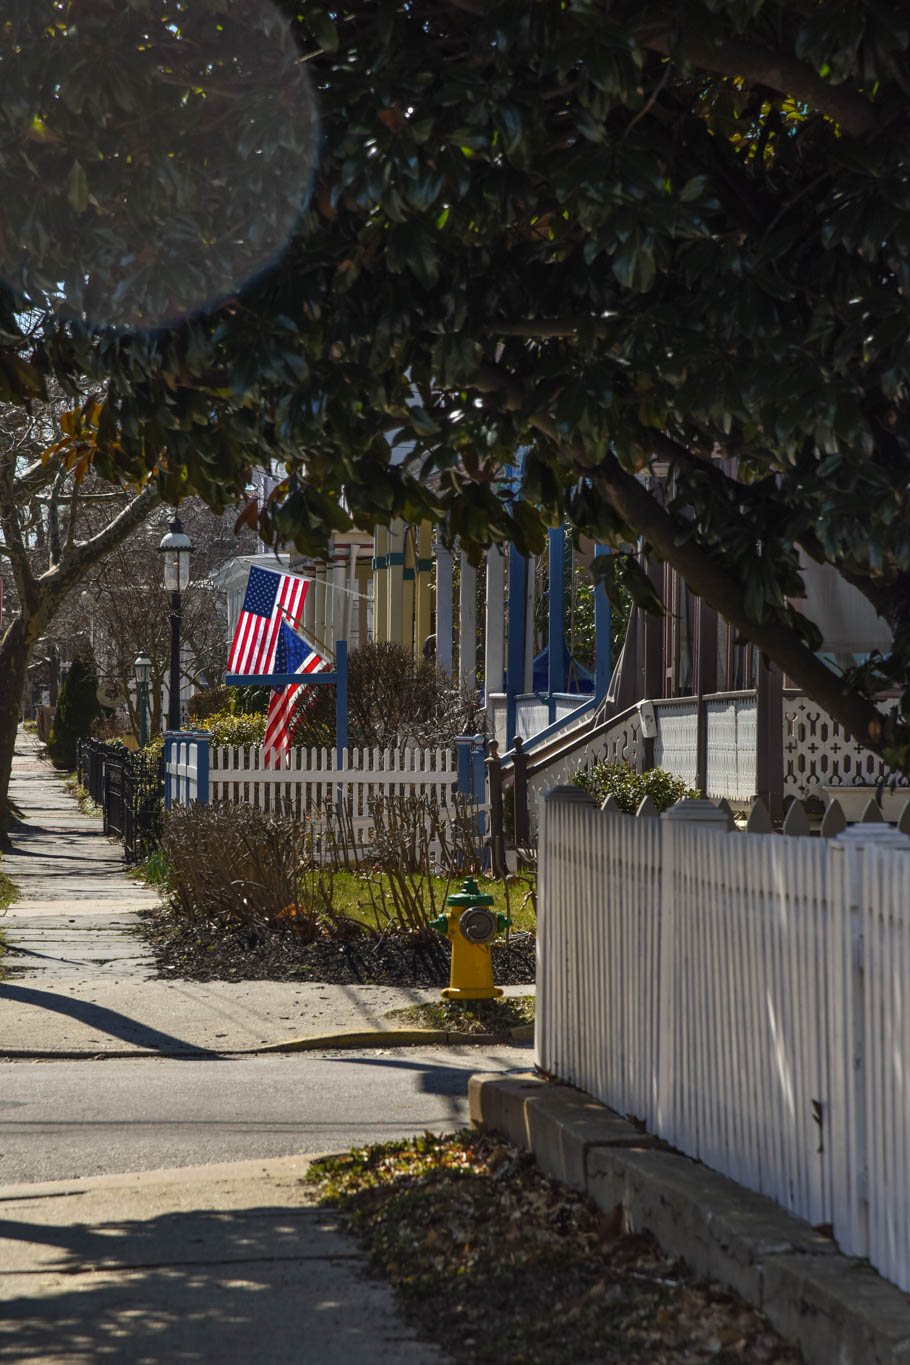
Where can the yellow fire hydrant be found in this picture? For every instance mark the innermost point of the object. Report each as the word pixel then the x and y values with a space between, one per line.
pixel 470 925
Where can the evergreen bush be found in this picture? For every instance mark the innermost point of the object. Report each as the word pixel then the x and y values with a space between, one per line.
pixel 630 788
pixel 77 709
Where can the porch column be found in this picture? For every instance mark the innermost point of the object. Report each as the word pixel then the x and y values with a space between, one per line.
pixel 603 662
pixel 343 571
pixel 309 604
pixel 361 604
pixel 319 604
pixel 494 642
pixel 528 683
pixel 769 739
pixel 705 682
pixel 518 634
pixel 380 585
pixel 408 628
pixel 467 623
pixel 654 638
pixel 395 583
pixel 423 587
pixel 444 589
pixel 556 664
pixel 328 575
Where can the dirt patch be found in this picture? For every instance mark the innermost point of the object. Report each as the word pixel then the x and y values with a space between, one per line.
pixel 198 952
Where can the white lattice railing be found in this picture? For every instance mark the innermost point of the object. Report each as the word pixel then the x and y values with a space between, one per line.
pixel 745 996
pixel 730 747
pixel 818 754
pixel 531 716
pixel 616 742
pixel 676 743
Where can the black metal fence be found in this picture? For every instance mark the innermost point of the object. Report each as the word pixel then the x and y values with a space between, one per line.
pixel 129 788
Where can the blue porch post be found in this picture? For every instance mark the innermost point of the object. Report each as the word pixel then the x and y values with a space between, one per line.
pixel 203 746
pixel 471 778
pixel 556 671
pixel 341 699
pixel 169 742
pixel 602 661
pixel 479 778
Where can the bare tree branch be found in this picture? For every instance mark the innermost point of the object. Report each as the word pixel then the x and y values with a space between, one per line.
pixel 736 57
pixel 778 70
pixel 706 576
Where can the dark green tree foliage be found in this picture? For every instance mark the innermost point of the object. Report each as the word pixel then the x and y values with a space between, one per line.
pixel 607 231
pixel 77 709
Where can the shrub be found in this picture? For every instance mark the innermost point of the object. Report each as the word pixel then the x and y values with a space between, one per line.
pixel 393 700
pixel 77 708
pixel 630 788
pixel 222 700
pixel 227 728
pixel 238 864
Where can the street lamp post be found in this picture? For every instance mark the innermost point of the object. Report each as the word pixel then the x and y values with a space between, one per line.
pixel 142 667
pixel 176 548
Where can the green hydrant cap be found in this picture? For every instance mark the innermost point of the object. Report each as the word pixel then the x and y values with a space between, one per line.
pixel 470 894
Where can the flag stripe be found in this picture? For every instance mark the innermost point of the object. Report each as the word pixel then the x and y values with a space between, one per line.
pixel 265 642
pixel 270 599
pixel 281 709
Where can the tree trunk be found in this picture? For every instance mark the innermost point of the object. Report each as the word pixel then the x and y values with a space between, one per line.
pixel 15 651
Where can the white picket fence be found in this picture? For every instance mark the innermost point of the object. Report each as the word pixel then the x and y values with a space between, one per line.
pixel 747 996
pixel 312 776
pixel 312 783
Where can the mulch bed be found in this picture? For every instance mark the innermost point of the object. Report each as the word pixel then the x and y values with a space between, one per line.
pixel 205 952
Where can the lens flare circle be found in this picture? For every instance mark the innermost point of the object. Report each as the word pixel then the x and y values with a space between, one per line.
pixel 155 155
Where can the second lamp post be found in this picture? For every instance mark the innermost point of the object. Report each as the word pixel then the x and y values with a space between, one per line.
pixel 176 548
pixel 142 667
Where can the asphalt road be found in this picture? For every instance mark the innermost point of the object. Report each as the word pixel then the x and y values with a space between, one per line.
pixel 59 1120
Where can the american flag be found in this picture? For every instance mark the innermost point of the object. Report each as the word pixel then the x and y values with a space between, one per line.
pixel 271 598
pixel 292 655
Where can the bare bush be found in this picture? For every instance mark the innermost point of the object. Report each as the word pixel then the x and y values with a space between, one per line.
pixel 238 864
pixel 394 701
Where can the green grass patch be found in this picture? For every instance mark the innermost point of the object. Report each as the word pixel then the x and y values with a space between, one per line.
pixel 351 896
pixel 9 892
pixel 154 869
pixel 495 1261
pixel 469 1016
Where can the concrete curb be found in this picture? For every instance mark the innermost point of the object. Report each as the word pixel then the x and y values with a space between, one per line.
pixel 836 1307
pixel 365 1038
pixel 398 1037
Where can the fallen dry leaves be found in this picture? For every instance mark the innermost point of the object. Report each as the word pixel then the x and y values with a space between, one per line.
pixel 497 1262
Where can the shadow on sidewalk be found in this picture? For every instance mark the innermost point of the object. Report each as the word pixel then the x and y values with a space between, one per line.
pixel 111 1022
pixel 256 1284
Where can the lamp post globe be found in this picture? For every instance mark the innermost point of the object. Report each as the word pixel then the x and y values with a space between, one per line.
pixel 176 547
pixel 142 667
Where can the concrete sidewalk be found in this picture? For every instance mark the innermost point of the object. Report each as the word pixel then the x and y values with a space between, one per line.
pixel 79 983
pixel 211 1263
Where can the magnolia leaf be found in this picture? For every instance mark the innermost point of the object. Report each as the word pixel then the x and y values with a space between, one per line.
pixel 77 188
pixel 622 571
